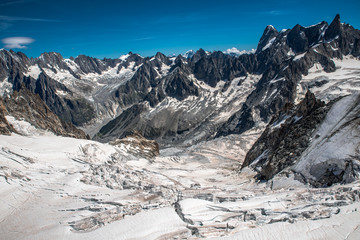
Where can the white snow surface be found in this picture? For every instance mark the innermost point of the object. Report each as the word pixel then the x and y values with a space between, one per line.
pixel 5 88
pixel 33 71
pixel 55 187
pixel 344 81
pixel 336 140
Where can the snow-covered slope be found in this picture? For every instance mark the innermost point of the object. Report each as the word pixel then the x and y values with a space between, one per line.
pixel 56 187
pixel 328 86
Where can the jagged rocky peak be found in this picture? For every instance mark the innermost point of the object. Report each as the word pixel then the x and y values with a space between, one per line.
pixel 53 61
pixel 297 39
pixel 52 58
pixel 179 86
pixel 12 64
pixel 269 34
pixel 162 58
pixel 133 57
pixel 89 64
pixel 334 29
pixel 180 63
pixel 138 145
pixel 198 55
pixel 189 54
pixel 129 58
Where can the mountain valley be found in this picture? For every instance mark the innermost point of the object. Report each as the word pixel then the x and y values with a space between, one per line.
pixel 218 145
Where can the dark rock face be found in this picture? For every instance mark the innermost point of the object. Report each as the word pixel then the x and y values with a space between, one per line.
pixel 334 29
pixel 269 33
pixel 71 109
pixel 297 39
pixel 28 106
pixel 89 64
pixel 179 86
pixel 286 137
pixel 5 127
pixel 219 67
pixel 137 88
pixel 123 125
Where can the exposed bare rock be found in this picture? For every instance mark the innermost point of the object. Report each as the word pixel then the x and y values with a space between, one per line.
pixel 286 137
pixel 138 145
pixel 316 143
pixel 24 105
pixel 5 127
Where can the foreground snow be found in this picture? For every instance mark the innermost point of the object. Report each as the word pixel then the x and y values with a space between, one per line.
pixel 64 188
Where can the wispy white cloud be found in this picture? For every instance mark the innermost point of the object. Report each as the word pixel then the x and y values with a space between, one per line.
pixel 11 19
pixel 8 21
pixel 17 42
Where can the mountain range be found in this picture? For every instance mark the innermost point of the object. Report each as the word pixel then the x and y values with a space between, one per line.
pixel 287 112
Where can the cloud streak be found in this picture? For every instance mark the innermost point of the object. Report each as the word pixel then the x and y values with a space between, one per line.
pixel 8 21
pixel 13 19
pixel 144 38
pixel 8 3
pixel 17 42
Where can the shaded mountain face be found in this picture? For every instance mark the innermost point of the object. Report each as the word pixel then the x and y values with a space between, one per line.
pixel 26 106
pixel 315 142
pixel 188 99
pixel 5 127
pixel 286 137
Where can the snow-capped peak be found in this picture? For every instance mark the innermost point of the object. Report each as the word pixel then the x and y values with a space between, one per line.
pixel 124 57
pixel 188 54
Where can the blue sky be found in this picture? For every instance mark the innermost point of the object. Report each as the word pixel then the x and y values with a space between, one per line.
pixel 111 28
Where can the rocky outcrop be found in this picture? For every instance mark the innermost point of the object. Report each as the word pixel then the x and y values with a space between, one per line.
pixel 5 127
pixel 286 137
pixel 316 143
pixel 333 154
pixel 123 125
pixel 139 146
pixel 24 105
